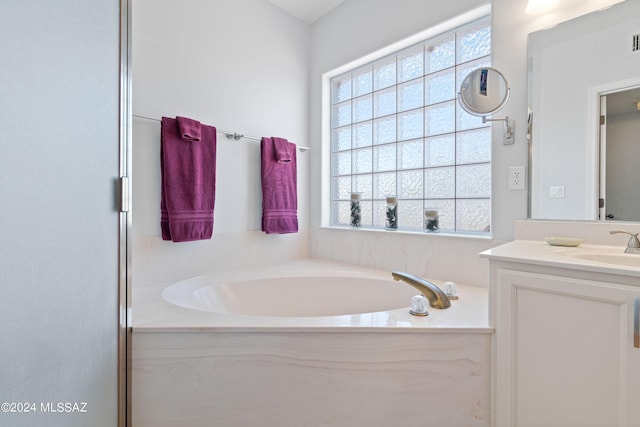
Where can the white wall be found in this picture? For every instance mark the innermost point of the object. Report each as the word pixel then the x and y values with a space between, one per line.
pixel 355 29
pixel 511 26
pixel 231 84
pixel 241 66
pixel 359 27
pixel 59 225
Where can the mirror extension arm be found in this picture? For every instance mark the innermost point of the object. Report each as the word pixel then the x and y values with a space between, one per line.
pixel 509 124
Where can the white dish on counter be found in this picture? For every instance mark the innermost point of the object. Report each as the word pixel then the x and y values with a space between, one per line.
pixel 563 241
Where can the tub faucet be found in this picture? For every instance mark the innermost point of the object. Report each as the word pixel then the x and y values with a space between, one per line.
pixel 633 246
pixel 437 298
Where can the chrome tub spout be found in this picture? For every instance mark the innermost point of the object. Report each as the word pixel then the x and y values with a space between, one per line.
pixel 435 295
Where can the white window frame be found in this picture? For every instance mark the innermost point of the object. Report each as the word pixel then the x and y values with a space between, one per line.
pixel 326 175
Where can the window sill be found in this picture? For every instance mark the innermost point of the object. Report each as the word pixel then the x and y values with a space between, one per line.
pixel 439 234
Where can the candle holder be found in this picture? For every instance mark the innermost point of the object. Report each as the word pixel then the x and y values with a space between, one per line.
pixel 356 216
pixel 392 213
pixel 431 220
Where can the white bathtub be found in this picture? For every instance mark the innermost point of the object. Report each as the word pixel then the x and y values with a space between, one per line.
pixel 300 294
pixel 307 344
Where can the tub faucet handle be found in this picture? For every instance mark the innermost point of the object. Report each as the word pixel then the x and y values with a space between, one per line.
pixel 419 305
pixel 633 246
pixel 450 290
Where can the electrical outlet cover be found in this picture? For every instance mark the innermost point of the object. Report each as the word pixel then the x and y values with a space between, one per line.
pixel 516 178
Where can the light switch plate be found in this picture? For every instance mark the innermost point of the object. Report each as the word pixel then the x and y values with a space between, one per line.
pixel 556 191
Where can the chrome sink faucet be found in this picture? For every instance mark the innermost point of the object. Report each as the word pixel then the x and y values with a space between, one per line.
pixel 437 298
pixel 633 246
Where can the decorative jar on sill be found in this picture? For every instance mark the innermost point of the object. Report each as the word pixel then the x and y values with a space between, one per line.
pixel 392 213
pixel 431 220
pixel 355 210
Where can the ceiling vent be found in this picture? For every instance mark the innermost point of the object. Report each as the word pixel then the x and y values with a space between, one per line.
pixel 635 43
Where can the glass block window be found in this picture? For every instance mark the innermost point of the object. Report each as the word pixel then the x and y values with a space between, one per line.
pixel 397 130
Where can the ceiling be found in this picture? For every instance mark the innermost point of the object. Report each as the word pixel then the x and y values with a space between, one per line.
pixel 307 10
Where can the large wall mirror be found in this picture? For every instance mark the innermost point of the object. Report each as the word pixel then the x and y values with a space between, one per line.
pixel 583 167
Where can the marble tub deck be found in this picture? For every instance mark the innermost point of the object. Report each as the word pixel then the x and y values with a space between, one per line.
pixel 151 313
pixel 193 369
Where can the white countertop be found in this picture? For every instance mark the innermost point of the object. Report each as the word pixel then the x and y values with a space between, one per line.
pixel 541 253
pixel 469 314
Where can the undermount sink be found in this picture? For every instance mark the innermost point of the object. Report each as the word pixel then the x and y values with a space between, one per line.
pixel 629 260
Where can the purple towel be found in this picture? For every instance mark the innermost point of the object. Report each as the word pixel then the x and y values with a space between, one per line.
pixel 190 130
pixel 282 150
pixel 188 183
pixel 279 189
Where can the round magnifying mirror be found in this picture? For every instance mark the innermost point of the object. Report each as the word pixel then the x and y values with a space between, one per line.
pixel 483 92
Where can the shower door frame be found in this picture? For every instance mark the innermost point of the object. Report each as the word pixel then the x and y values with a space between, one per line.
pixel 125 223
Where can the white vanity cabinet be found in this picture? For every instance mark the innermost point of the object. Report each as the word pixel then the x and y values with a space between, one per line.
pixel 564 350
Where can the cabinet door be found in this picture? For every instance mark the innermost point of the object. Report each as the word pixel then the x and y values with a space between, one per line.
pixel 565 352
